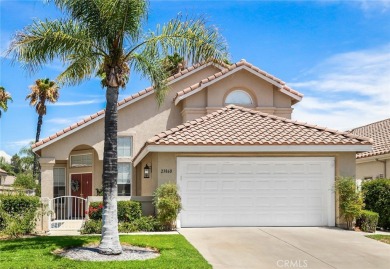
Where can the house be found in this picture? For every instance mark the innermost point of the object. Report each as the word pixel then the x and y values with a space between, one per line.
pixel 376 162
pixel 224 135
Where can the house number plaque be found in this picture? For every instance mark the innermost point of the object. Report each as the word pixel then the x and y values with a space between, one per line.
pixel 166 171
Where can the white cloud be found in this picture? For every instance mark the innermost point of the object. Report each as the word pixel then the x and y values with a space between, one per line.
pixel 65 121
pixel 18 144
pixel 5 155
pixel 347 90
pixel 77 103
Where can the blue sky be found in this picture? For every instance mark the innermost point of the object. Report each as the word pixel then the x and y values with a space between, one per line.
pixel 337 53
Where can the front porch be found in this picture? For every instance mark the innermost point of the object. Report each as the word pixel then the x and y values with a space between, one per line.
pixel 67 214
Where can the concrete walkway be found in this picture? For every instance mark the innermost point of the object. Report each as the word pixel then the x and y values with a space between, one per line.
pixel 302 247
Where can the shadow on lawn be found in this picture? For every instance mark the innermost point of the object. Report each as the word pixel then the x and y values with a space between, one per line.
pixel 44 242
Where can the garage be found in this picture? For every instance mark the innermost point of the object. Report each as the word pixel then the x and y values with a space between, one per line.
pixel 256 191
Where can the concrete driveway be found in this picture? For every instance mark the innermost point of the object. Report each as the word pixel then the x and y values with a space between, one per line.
pixel 302 247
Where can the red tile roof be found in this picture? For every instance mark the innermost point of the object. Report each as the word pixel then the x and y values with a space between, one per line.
pixel 228 70
pixel 380 134
pixel 235 125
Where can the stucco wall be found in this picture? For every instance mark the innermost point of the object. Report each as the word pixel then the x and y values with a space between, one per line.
pixel 344 166
pixel 372 169
pixel 266 97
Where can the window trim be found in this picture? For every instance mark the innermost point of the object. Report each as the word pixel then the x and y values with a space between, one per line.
pixel 88 153
pixel 131 177
pixel 238 89
pixel 131 145
pixel 65 179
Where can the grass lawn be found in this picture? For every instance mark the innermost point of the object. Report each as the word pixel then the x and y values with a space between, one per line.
pixel 380 237
pixel 36 252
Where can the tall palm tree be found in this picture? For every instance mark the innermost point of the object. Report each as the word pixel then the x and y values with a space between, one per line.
pixel 4 98
pixel 44 90
pixel 106 37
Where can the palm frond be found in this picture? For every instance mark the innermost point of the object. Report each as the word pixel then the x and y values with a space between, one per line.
pixel 152 69
pixel 192 38
pixel 80 68
pixel 43 41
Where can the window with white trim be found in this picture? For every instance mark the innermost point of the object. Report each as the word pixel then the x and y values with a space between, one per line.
pixel 81 160
pixel 124 179
pixel 125 145
pixel 238 97
pixel 59 182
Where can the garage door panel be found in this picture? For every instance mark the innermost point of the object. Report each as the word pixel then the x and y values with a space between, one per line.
pixel 256 191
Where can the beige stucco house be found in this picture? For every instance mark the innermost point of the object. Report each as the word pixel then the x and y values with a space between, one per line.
pixel 375 163
pixel 224 135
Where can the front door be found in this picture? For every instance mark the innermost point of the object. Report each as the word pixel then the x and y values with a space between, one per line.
pixel 81 186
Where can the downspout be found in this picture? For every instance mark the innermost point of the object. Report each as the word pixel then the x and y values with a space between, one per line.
pixel 384 167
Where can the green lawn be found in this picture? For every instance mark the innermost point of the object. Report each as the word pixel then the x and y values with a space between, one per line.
pixel 380 237
pixel 36 252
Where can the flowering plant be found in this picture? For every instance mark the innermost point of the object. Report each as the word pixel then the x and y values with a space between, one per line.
pixel 95 211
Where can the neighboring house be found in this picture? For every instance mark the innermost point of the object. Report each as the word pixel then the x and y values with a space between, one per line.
pixel 224 136
pixel 3 175
pixel 5 179
pixel 375 163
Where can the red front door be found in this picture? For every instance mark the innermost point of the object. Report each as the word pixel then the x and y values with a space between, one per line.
pixel 81 186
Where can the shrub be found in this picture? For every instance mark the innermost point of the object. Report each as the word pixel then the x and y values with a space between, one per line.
pixel 18 214
pixel 25 181
pixel 127 210
pixel 168 205
pixel 350 200
pixel 367 221
pixel 127 227
pixel 95 210
pixel 92 227
pixel 377 198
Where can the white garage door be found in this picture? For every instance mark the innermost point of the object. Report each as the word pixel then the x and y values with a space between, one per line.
pixel 236 191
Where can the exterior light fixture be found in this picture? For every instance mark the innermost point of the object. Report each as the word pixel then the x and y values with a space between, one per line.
pixel 147 171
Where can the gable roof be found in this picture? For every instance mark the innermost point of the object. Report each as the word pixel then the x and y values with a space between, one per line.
pixel 296 96
pixel 380 134
pixel 234 125
pixel 238 129
pixel 121 104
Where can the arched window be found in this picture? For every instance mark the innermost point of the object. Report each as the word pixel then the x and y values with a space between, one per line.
pixel 238 97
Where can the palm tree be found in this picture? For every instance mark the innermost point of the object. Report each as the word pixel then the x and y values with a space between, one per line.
pixel 106 37
pixel 4 98
pixel 44 90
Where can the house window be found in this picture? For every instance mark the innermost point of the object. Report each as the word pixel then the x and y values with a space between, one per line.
pixel 125 144
pixel 124 179
pixel 239 97
pixel 59 182
pixel 81 160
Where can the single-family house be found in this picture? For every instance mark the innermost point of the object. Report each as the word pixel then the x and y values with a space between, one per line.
pixel 376 162
pixel 224 135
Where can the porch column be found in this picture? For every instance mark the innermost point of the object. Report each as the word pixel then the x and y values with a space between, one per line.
pixel 47 178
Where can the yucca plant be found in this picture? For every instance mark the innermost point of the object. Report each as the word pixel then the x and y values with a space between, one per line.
pixel 106 38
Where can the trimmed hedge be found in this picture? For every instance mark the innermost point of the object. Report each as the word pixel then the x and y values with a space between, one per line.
pixel 367 221
pixel 127 210
pixel 18 214
pixel 377 198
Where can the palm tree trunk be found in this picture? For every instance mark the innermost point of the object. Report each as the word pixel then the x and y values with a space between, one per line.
pixel 37 135
pixel 110 244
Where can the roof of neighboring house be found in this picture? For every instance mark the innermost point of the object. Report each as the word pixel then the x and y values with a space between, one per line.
pixel 132 98
pixel 234 125
pixel 380 134
pixel 2 172
pixel 233 68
